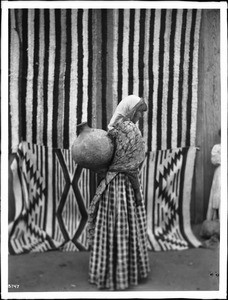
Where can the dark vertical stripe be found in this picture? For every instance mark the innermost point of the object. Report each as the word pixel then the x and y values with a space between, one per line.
pixel 158 215
pixel 45 75
pixel 171 79
pixel 22 236
pixel 53 191
pixel 148 155
pixel 181 78
pixel 93 184
pixel 37 155
pixel 24 71
pixel 56 76
pixel 45 154
pixel 174 183
pixel 120 55
pixel 155 183
pixel 36 71
pixel 80 66
pixel 130 51
pixel 162 214
pixel 67 79
pixel 90 66
pixel 40 217
pixel 189 100
pixel 41 161
pixel 141 58
pixel 181 199
pixel 104 67
pixel 177 184
pixel 141 51
pixel 9 78
pixel 160 78
pixel 151 79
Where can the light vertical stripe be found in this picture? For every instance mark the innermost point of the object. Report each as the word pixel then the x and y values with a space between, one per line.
pixel 95 67
pixel 143 177
pixel 141 54
pixel 85 67
pixel 51 70
pixel 146 74
pixel 73 80
pixel 195 80
pixel 42 211
pixel 40 99
pixel 103 64
pixel 155 71
pixel 176 76
pixel 13 84
pixel 62 69
pixel 120 55
pixel 87 190
pixel 190 162
pixel 43 174
pixel 67 78
pixel 125 52
pixel 185 78
pixel 115 63
pixel 80 65
pixel 150 200
pixel 73 212
pixel 24 149
pixel 56 77
pixel 36 42
pixel 166 76
pixel 72 200
pixel 45 80
pixel 109 61
pixel 10 40
pixel 17 188
pixel 136 52
pixel 29 93
pixel 69 210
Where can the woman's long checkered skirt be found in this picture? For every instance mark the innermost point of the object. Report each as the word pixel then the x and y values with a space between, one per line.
pixel 119 256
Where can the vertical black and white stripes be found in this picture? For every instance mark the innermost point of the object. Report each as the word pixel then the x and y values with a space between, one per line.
pixel 69 66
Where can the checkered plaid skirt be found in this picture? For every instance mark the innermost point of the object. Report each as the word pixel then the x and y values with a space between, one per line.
pixel 119 255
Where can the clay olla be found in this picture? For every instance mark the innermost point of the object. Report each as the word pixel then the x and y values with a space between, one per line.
pixel 92 149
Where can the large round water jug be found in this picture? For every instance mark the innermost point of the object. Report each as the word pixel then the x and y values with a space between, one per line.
pixel 93 148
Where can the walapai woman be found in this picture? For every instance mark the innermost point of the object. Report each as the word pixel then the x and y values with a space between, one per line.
pixel 117 218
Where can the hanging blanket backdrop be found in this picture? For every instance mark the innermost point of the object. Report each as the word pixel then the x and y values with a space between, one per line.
pixel 69 66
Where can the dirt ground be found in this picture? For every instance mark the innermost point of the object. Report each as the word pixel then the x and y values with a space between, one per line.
pixel 188 270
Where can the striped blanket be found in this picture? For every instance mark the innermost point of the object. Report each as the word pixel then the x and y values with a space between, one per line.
pixel 69 66
pixel 51 196
pixel 166 177
pixel 50 200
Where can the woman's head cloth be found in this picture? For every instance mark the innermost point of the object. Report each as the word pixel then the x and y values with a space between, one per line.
pixel 126 109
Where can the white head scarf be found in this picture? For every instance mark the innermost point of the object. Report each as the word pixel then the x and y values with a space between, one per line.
pixel 125 109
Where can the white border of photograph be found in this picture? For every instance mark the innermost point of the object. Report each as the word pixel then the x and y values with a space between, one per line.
pixel 221 294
